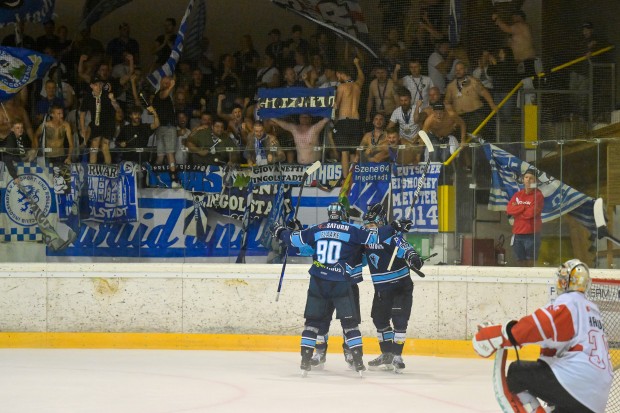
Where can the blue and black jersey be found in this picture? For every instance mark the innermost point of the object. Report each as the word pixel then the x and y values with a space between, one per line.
pixel 378 256
pixel 335 245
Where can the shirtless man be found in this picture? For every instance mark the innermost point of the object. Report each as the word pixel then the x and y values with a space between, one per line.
pixel 382 97
pixel 434 96
pixel 306 137
pixel 440 125
pixel 400 151
pixel 375 142
pixel 522 45
pixel 348 127
pixel 463 95
pixel 54 133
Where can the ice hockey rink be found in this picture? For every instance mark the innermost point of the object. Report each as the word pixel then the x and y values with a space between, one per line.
pixel 171 381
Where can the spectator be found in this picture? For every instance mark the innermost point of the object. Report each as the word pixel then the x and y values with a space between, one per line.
pixel 400 151
pixel 306 136
pixel 56 137
pixel 276 47
pixel 268 76
pixel 294 44
pixel 102 108
pixel 165 42
pixel 166 133
pixel 382 97
pixel 302 67
pixel 17 148
pixel 121 73
pixel 211 146
pixel 463 95
pixel 122 44
pixel 235 121
pixel 19 38
pixel 12 111
pixel 183 132
pixel 44 105
pixel 324 47
pixel 417 84
pixel 503 71
pixel 136 134
pixel 49 39
pixel 374 143
pixel 481 71
pixel 440 63
pixel 405 116
pixel 247 59
pixel 526 207
pixel 263 149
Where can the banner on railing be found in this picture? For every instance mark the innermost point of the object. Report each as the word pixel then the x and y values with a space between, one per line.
pixel 112 196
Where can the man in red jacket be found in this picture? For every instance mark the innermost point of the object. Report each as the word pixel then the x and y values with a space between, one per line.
pixel 526 208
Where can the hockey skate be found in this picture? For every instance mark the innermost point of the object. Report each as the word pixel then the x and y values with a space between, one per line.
pixel 306 361
pixel 348 357
pixel 383 362
pixel 398 364
pixel 318 360
pixel 358 361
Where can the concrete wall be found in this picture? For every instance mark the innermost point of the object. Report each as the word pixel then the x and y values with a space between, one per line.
pixel 221 298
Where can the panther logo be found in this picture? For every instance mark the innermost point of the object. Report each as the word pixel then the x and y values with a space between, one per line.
pixel 18 199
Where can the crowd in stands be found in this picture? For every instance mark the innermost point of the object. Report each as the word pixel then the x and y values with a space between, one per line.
pixel 95 101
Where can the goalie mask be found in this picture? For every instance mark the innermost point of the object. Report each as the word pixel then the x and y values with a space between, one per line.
pixel 374 215
pixel 573 275
pixel 337 212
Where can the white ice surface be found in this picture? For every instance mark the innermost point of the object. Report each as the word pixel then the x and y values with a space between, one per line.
pixel 160 381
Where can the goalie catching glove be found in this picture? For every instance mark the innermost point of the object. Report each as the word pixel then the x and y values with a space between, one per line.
pixel 490 338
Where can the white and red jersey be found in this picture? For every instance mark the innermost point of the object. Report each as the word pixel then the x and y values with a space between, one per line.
pixel 574 345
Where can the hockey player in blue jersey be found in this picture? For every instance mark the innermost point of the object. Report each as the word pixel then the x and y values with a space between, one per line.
pixel 392 288
pixel 334 243
pixel 393 291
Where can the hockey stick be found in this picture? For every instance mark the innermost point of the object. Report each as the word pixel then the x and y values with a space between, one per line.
pixel 309 171
pixel 427 142
pixel 601 222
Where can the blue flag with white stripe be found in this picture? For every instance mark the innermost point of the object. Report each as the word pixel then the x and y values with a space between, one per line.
pixel 507 169
pixel 195 32
pixel 18 67
pixel 168 68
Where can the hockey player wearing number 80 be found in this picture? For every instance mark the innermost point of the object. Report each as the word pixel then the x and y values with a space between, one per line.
pixel 574 371
pixel 334 244
pixel 393 299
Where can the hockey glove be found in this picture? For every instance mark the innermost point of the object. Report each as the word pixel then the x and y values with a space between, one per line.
pixel 491 337
pixel 402 225
pixel 294 225
pixel 277 229
pixel 413 260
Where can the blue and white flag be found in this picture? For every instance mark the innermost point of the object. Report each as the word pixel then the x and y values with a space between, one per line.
pixel 195 32
pixel 35 11
pixel 18 67
pixel 345 18
pixel 506 171
pixel 112 194
pixel 169 67
pixel 95 10
pixel 281 102
pixel 455 22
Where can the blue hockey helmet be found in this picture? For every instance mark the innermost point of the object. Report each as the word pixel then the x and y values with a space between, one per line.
pixel 337 212
pixel 374 215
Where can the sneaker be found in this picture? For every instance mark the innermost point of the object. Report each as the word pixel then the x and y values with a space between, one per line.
pixel 318 360
pixel 384 361
pixel 398 364
pixel 358 361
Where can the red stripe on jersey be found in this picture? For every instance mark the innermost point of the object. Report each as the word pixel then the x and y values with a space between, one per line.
pixel 527 329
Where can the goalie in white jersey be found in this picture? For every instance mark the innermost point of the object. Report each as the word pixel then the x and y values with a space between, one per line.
pixel 574 371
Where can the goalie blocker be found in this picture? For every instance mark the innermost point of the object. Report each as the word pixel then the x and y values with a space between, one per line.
pixel 574 372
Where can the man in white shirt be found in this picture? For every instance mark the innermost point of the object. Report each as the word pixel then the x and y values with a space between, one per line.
pixel 440 63
pixel 418 84
pixel 405 116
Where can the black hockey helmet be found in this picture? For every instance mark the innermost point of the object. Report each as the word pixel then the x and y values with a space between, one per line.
pixel 337 212
pixel 374 215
